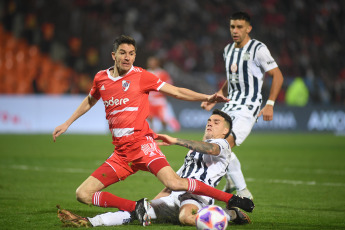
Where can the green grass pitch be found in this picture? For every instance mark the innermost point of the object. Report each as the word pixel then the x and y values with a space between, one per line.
pixel 298 180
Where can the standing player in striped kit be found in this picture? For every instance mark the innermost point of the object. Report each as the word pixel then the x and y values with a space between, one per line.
pixel 124 90
pixel 246 62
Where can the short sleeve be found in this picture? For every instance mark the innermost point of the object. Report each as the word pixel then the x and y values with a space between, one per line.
pixel 179 172
pixel 265 59
pixel 223 144
pixel 94 92
pixel 164 76
pixel 226 51
pixel 150 82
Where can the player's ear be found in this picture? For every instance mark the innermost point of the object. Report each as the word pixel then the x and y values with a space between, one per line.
pixel 225 131
pixel 113 56
pixel 249 28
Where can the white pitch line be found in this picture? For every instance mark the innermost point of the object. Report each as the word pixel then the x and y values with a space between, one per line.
pixel 35 168
pixel 270 181
pixel 316 171
pixel 297 182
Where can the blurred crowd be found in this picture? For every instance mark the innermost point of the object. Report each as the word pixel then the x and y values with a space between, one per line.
pixel 58 46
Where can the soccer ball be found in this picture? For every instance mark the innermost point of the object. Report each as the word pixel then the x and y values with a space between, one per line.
pixel 211 217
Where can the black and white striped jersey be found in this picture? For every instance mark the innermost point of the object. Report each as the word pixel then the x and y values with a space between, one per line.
pixel 207 168
pixel 245 70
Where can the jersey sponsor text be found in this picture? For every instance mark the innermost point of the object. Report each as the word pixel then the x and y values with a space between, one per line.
pixel 116 102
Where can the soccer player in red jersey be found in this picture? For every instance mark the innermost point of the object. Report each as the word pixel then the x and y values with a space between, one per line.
pixel 159 105
pixel 124 90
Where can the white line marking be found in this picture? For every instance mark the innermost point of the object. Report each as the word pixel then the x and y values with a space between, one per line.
pixel 271 181
pixel 315 171
pixel 297 182
pixel 35 168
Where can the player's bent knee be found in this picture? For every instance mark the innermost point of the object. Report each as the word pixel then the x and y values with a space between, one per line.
pixel 186 220
pixel 187 214
pixel 182 220
pixel 83 196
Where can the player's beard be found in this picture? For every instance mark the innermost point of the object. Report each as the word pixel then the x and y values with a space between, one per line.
pixel 208 136
pixel 121 71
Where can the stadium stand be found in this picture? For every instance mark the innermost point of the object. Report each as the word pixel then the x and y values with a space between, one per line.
pixel 73 39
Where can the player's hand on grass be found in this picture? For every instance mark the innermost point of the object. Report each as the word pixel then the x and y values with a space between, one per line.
pixel 207 105
pixel 59 130
pixel 267 113
pixel 165 140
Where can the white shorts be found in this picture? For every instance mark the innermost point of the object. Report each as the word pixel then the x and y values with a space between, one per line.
pixel 167 208
pixel 242 122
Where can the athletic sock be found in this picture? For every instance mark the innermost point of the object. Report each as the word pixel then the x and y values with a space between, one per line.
pixel 235 172
pixel 110 219
pixel 108 200
pixel 200 188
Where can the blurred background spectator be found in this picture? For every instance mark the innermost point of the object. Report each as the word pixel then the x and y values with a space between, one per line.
pixel 56 47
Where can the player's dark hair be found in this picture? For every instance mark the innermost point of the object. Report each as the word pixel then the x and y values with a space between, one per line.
pixel 240 16
pixel 227 119
pixel 123 39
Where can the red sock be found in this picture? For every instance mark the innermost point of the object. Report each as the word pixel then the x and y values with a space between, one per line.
pixel 200 188
pixel 108 200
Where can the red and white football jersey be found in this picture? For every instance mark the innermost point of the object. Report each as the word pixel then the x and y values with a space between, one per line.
pixel 126 102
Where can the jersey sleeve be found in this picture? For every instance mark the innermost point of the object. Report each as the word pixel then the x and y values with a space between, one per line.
pixel 150 82
pixel 226 51
pixel 179 172
pixel 265 59
pixel 166 77
pixel 94 92
pixel 223 145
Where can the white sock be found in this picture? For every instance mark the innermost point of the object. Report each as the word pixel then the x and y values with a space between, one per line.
pixel 235 173
pixel 110 219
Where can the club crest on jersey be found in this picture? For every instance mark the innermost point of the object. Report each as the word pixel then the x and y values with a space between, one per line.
pixel 125 85
pixel 246 56
pixel 233 67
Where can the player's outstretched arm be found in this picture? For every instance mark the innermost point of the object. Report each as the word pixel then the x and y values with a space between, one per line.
pixel 207 105
pixel 84 106
pixel 223 91
pixel 277 82
pixel 166 140
pixel 190 95
pixel 199 146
